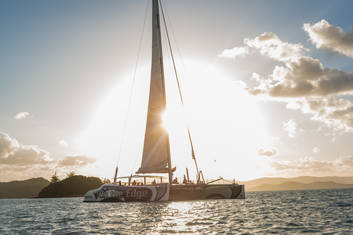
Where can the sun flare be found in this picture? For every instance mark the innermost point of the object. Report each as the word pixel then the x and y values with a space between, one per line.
pixel 226 124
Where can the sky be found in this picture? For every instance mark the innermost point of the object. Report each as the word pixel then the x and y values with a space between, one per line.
pixel 267 87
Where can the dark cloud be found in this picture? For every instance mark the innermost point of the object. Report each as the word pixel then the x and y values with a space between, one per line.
pixel 327 36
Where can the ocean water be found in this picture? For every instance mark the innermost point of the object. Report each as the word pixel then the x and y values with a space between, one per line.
pixel 320 212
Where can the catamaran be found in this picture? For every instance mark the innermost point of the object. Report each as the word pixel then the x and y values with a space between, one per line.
pixel 156 157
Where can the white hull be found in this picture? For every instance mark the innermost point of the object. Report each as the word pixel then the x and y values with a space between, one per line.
pixel 117 193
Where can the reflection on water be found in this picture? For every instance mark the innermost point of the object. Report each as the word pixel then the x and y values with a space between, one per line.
pixel 329 211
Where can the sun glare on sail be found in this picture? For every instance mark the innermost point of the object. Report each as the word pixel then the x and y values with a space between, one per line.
pixel 174 118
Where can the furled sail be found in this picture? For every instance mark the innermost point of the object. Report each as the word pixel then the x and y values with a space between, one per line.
pixel 156 151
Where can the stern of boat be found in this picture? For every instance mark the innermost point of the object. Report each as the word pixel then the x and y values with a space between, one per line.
pixel 241 194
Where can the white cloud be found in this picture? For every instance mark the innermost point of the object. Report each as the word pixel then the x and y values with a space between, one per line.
pixel 293 104
pixel 21 115
pixel 13 153
pixel 316 150
pixel 27 155
pixel 327 36
pixel 76 161
pixel 269 44
pixel 63 143
pixel 267 152
pixel 234 52
pixel 309 166
pixel 336 113
pixel 290 127
pixel 18 161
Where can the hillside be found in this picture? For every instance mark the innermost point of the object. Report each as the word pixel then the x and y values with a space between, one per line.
pixel 290 185
pixel 22 189
pixel 74 186
pixel 253 185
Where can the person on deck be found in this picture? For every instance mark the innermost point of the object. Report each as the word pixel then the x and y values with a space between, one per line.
pixel 185 180
pixel 175 181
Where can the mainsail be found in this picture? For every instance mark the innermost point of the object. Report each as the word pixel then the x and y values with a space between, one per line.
pixel 156 150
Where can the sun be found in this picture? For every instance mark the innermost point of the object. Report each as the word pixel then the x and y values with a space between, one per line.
pixel 174 118
pixel 226 125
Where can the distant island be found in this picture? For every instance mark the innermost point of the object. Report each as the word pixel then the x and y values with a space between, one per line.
pixel 298 183
pixel 22 189
pixel 300 186
pixel 73 186
pixel 78 185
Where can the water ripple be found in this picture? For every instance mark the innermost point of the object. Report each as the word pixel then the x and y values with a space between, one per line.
pixel 318 212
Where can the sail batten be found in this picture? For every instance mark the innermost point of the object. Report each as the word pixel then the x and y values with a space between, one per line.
pixel 156 149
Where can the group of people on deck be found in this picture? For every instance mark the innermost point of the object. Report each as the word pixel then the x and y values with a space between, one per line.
pixel 175 181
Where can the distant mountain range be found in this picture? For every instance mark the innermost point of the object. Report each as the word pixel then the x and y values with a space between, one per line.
pixel 78 185
pixel 22 189
pixel 298 183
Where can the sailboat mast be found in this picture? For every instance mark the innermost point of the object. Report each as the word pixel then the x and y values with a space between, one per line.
pixel 157 61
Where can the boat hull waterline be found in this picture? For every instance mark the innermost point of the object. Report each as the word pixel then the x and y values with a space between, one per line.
pixel 164 192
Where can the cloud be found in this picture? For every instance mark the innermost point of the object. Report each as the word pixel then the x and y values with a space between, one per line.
pixel 269 44
pixel 13 153
pixel 290 127
pixel 334 112
pixel 76 161
pixel 19 161
pixel 303 82
pixel 27 155
pixel 301 75
pixel 63 143
pixel 234 52
pixel 316 150
pixel 305 77
pixel 21 115
pixel 7 145
pixel 324 35
pixel 310 166
pixel 267 152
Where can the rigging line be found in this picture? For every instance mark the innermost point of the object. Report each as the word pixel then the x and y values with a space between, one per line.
pixel 174 37
pixel 132 85
pixel 179 88
pixel 172 56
